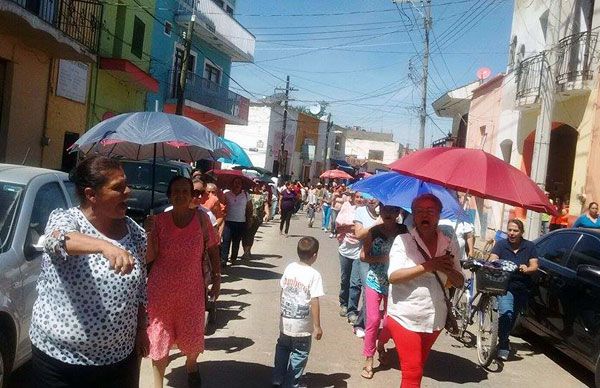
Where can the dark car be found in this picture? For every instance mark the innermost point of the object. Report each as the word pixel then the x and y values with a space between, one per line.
pixel 565 304
pixel 139 178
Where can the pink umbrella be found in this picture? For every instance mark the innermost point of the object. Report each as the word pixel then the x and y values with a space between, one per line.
pixel 335 174
pixel 476 172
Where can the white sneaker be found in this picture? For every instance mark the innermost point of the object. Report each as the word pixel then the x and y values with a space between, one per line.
pixel 331 235
pixel 360 333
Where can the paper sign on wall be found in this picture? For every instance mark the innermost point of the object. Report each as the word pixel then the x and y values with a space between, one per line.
pixel 72 80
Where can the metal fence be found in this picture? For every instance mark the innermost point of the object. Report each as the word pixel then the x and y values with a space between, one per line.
pixel 211 94
pixel 78 19
pixel 529 76
pixel 576 57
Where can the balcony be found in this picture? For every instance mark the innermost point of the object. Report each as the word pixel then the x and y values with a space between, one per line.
pixel 68 29
pixel 218 28
pixel 529 81
pixel 576 63
pixel 207 96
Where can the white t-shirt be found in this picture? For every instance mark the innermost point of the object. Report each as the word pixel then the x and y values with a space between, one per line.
pixel 351 246
pixel 457 229
pixel 300 283
pixel 418 304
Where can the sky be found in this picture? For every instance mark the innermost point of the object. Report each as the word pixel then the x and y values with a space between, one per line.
pixel 364 58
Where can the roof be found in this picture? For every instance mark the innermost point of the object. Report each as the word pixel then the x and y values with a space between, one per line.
pixel 492 81
pixel 18 174
pixel 364 135
pixel 456 100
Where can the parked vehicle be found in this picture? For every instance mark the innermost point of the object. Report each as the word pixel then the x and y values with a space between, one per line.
pixel 565 304
pixel 139 179
pixel 27 197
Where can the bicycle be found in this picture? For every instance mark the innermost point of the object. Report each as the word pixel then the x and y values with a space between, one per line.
pixel 488 280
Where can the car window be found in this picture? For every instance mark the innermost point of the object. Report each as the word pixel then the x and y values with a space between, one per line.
pixel 586 252
pixel 139 175
pixel 72 191
pixel 49 197
pixel 556 247
pixel 10 199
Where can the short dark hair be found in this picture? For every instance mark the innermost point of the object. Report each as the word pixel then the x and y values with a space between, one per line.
pixel 592 204
pixel 176 179
pixel 517 222
pixel 92 172
pixel 427 196
pixel 307 247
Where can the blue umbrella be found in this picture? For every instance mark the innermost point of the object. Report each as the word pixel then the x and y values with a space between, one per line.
pixel 238 155
pixel 392 188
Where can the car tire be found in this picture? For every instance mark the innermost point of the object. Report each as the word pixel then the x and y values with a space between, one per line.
pixel 3 360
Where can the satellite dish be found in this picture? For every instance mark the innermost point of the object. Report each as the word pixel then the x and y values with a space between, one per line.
pixel 483 73
pixel 315 109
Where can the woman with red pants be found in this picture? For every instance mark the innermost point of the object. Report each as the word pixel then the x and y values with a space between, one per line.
pixel 416 305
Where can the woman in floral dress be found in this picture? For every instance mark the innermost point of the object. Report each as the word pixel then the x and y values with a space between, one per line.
pixel 177 243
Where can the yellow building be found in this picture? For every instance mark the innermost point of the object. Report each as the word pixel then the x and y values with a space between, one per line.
pixel 46 49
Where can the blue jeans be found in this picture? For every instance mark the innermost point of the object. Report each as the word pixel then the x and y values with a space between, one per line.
pixel 332 226
pixel 358 278
pixel 232 236
pixel 345 272
pixel 509 306
pixel 291 356
pixel 326 215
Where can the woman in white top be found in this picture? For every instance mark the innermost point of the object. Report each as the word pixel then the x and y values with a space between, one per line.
pixel 416 306
pixel 238 206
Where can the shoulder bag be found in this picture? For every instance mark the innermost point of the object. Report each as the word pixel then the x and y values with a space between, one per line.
pixel 451 325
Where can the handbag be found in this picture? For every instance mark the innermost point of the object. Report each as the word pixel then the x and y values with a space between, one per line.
pixel 451 325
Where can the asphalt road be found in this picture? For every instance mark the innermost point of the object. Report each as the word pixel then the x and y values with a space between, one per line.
pixel 240 345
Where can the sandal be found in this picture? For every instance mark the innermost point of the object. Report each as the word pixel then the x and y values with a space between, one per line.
pixel 367 373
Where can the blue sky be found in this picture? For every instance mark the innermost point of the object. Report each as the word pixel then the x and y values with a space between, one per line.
pixel 362 56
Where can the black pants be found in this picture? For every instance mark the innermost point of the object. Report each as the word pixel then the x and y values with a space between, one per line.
pixel 49 372
pixel 232 235
pixel 286 216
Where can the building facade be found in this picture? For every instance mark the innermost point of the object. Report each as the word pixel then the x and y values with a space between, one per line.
pixel 370 146
pixel 47 49
pixel 217 41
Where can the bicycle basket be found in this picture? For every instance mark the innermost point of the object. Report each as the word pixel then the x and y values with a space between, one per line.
pixel 492 280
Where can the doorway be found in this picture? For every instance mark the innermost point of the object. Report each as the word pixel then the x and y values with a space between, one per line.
pixel 69 159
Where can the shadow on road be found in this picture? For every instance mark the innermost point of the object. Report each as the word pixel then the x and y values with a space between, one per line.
pixel 452 368
pixel 237 273
pixel 239 374
pixel 263 256
pixel 227 310
pixel 228 344
pixel 235 293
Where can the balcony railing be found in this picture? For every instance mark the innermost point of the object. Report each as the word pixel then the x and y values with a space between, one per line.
pixel 212 95
pixel 78 19
pixel 576 57
pixel 221 24
pixel 529 77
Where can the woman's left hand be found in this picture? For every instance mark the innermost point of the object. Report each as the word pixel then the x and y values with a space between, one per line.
pixel 215 288
pixel 142 343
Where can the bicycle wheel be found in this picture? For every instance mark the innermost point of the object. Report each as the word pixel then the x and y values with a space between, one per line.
pixel 460 309
pixel 487 330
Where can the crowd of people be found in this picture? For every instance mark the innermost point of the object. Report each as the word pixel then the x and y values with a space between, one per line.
pixel 106 287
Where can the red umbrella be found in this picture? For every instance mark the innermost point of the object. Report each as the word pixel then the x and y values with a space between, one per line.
pixel 476 172
pixel 336 174
pixel 225 178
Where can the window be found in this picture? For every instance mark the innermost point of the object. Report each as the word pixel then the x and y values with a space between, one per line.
pixel 168 28
pixel 229 10
pixel 72 191
pixel 212 73
pixel 512 52
pixel 137 42
pixel 220 3
pixel 556 248
pixel 586 252
pixel 10 199
pixel 49 197
pixel 375 155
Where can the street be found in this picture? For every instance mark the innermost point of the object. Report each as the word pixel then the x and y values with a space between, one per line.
pixel 240 346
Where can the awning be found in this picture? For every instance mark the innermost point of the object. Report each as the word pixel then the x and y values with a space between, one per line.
pixel 343 165
pixel 129 72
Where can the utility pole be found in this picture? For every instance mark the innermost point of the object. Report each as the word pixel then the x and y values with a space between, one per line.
pixel 541 147
pixel 282 156
pixel 423 113
pixel 326 146
pixel 187 45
